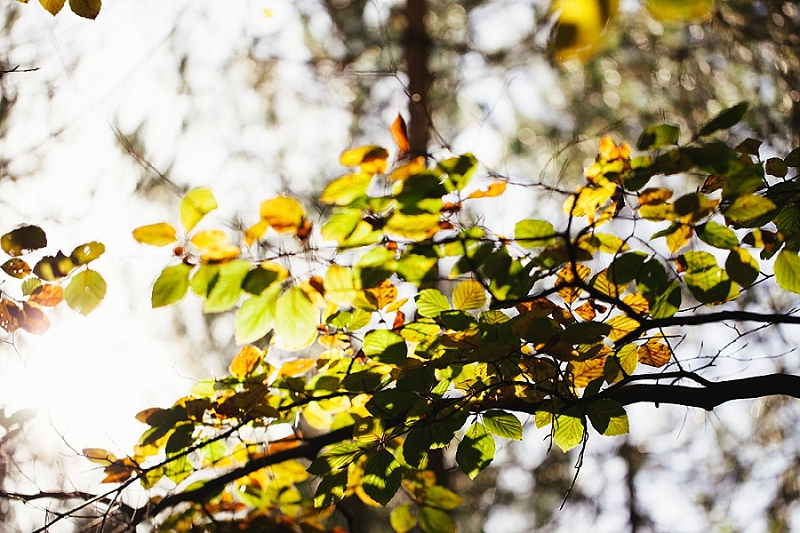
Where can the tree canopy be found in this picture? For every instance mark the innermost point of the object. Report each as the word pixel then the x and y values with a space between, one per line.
pixel 388 317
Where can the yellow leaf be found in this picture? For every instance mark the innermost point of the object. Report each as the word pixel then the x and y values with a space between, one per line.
pixel 284 214
pixel 406 170
pixel 679 238
pixel 209 238
pixel 654 353
pixel 99 456
pixel 679 10
pixel 495 189
pixel 290 470
pixel 566 276
pixel 580 27
pixel 53 6
pixel 382 295
pixel 255 232
pixel 469 294
pixel 314 290
pixel 87 9
pixel 586 311
pixel 317 417
pixel 219 254
pixel 654 196
pixel 296 367
pixel 637 302
pixel 585 371
pixel 621 326
pixel 267 13
pixel 195 205
pixel 604 285
pixel 246 361
pixel 160 234
pixel 372 159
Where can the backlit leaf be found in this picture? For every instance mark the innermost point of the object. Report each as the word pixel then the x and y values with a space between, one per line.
pixel 160 234
pixel 382 476
pixel 432 520
pixel 227 290
pixel 399 133
pixel 346 189
pixel 22 239
pixel 30 285
pixel 503 424
pixel 283 214
pixel 717 235
pixel 33 319
pixel 87 9
pixel 431 303
pixel 382 295
pixel 608 417
pixel 16 268
pixel 787 271
pixel 495 189
pixel 371 159
pixel 47 295
pixel 296 319
pixel 209 238
pixel 658 136
pixel 748 207
pixel 532 233
pixel 86 253
pixel 654 353
pixel 476 450
pixel 171 285
pixel 469 294
pixel 401 519
pixel 248 358
pixel 568 431
pixel 99 456
pixel 742 267
pixel 385 346
pixel 256 316
pixel 85 291
pixel 51 268
pixel 195 205
pixel 53 6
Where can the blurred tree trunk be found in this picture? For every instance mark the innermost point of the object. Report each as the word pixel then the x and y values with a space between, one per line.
pixel 417 44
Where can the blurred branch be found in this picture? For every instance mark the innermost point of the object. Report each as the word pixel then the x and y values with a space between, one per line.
pixel 17 69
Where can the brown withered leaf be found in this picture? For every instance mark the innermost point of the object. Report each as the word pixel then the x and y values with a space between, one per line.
pixel 47 295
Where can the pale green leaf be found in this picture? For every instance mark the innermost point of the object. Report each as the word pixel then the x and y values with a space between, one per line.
pixel 503 424
pixel 195 205
pixel 171 285
pixel 787 270
pixel 257 314
pixel 401 519
pixel 476 450
pixel 85 291
pixel 227 290
pixel 431 303
pixel 296 319
pixel 469 294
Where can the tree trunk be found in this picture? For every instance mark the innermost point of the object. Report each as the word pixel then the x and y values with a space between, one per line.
pixel 417 45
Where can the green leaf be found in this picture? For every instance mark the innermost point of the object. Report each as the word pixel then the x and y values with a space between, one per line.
pixel 431 303
pixel 227 289
pixel 382 476
pixel 568 431
pixel 793 159
pixel 726 119
pixel 341 225
pixel 256 316
pixel 747 208
pixel 667 302
pixel 717 235
pixel 86 253
pixel 30 285
pixel 171 285
pixel 85 291
pixel 330 490
pixel 433 520
pixel 418 269
pixel 608 417
pixel 296 319
pixel 335 459
pixel 441 498
pixel 476 450
pixel 385 346
pixel 22 239
pixel 203 279
pixel 339 285
pixel 625 267
pixel 787 271
pixel 345 190
pixel 657 136
pixel 742 267
pixel 532 233
pixel 180 439
pixel 503 424
pixel 195 205
pixel 469 294
pixel 401 519
pixel 459 170
pixel 387 404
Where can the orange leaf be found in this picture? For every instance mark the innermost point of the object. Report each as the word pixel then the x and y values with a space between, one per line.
pixel 495 189
pixel 654 353
pixel 47 295
pixel 246 361
pixel 34 320
pixel 382 295
pixel 296 367
pixel 566 277
pixel 586 311
pixel 400 135
pixel 585 371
